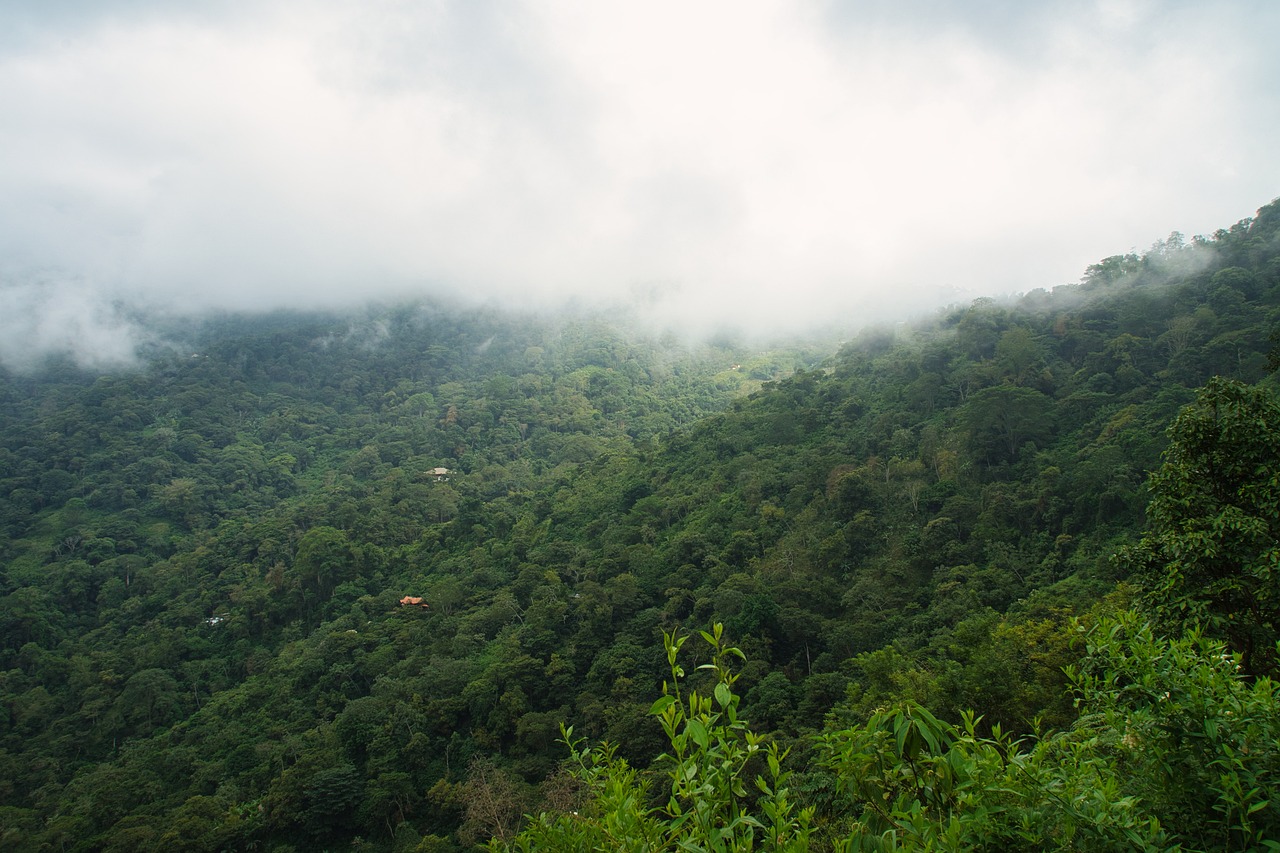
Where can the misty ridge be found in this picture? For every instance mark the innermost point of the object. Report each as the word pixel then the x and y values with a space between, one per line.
pixel 389 390
pixel 335 577
pixel 49 317
pixel 769 169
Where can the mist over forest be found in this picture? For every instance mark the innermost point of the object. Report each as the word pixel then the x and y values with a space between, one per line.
pixel 433 575
pixel 766 169
pixel 544 426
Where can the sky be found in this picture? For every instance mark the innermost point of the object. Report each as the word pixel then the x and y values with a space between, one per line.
pixel 748 163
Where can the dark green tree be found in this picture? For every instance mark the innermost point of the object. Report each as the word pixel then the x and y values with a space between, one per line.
pixel 324 560
pixel 1211 553
pixel 1003 418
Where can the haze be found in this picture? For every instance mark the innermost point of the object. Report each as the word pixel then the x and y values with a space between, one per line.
pixel 764 165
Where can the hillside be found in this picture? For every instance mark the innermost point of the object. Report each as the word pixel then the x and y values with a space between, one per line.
pixel 202 644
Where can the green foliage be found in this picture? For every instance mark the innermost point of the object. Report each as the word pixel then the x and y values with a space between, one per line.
pixel 1211 556
pixel 912 782
pixel 1174 745
pixel 1197 742
pixel 1174 749
pixel 708 806
pixel 1002 419
pixel 200 561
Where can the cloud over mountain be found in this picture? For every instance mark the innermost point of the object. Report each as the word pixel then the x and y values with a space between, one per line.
pixel 760 164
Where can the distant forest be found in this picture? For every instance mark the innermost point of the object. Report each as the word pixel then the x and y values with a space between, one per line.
pixel 1004 578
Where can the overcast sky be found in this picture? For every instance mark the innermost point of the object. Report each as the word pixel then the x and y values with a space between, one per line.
pixel 765 164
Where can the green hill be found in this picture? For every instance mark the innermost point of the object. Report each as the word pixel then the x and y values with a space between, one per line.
pixel 202 644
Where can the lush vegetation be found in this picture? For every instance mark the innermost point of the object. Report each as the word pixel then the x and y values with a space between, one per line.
pixel 918 546
pixel 1176 744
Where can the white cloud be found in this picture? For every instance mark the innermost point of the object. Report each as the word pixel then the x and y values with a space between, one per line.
pixel 754 163
pixel 64 318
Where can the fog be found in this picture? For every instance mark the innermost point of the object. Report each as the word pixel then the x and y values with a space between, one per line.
pixel 761 165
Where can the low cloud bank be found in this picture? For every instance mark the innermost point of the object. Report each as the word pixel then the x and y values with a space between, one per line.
pixel 765 167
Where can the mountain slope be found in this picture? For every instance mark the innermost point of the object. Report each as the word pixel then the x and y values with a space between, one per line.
pixel 201 634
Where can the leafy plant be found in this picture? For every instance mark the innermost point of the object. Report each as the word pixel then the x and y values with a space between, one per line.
pixel 913 782
pixel 1195 738
pixel 708 807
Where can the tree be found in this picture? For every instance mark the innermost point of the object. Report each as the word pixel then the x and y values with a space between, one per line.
pixel 1018 356
pixel 1211 553
pixel 707 806
pixel 324 559
pixel 1003 418
pixel 331 797
pixel 494 803
pixel 150 695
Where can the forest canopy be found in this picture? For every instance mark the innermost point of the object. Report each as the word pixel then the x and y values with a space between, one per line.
pixel 983 579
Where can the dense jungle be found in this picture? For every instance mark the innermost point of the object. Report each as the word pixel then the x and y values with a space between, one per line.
pixel 425 577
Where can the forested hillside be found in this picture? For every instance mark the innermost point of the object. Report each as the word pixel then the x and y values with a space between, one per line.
pixel 203 645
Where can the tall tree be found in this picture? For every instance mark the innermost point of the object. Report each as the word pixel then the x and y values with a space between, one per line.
pixel 1003 418
pixel 1211 554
